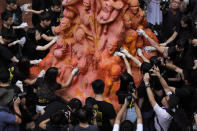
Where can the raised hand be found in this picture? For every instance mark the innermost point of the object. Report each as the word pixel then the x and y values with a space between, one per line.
pixel 74 71
pixel 119 54
pixel 42 73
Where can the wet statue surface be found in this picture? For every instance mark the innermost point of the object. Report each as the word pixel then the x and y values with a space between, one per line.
pixel 90 32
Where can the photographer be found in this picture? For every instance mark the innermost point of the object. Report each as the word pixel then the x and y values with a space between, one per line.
pixel 162 118
pixel 9 121
pixel 186 94
pixel 124 125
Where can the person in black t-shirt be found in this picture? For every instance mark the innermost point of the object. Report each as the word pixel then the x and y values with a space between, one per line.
pixel 106 114
pixel 6 57
pixel 33 51
pixel 45 29
pixel 47 86
pixel 145 106
pixel 171 19
pixel 9 35
pixel 7 31
pixel 16 11
pixel 183 31
pixel 39 5
pixel 11 6
pixel 55 12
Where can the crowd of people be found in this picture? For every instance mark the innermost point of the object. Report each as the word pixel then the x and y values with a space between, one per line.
pixel 165 99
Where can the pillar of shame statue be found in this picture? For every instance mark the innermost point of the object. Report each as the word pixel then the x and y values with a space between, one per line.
pixel 89 34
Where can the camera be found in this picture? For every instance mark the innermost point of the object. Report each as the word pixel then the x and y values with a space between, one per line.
pixel 20 95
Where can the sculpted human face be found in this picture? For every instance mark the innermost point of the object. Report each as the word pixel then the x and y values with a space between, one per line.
pixel 107 6
pixel 80 34
pixel 111 47
pixel 115 72
pixel 134 6
pixel 87 4
pixel 127 21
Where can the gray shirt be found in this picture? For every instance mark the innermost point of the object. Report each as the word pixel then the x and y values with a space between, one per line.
pixel 79 128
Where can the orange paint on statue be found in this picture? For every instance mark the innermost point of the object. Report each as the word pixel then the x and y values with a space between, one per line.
pixel 88 41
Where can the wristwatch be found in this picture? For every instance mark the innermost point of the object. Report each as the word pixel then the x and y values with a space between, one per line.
pixel 147 84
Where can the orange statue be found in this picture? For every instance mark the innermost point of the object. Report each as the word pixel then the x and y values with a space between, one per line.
pixel 89 34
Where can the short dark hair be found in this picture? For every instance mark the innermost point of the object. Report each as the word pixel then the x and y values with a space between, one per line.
pixel 85 114
pixel 45 16
pixel 145 67
pixel 187 20
pixel 125 80
pixel 10 1
pixel 75 103
pixel 98 86
pixel 59 118
pixel 6 15
pixel 126 126
pixel 4 75
pixel 173 101
pixel 56 3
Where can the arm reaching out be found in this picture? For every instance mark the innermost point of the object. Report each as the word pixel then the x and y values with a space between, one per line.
pixel 138 112
pixel 148 90
pixel 163 82
pixel 125 60
pixel 73 73
pixel 121 112
pixel 152 42
pixel 47 46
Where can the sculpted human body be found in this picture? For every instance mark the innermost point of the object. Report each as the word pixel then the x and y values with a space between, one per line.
pixel 89 34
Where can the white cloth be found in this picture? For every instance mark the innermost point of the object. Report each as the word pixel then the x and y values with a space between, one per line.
pixel 39 108
pixel 154 14
pixel 139 127
pixel 117 126
pixel 163 117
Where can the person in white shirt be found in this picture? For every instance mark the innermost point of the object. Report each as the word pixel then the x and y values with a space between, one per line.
pixel 163 116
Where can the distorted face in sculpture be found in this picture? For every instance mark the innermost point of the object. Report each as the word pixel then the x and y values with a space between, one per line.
pixel 127 21
pixel 134 6
pixel 87 4
pixel 68 13
pixel 79 34
pixel 115 72
pixel 107 6
pixel 111 47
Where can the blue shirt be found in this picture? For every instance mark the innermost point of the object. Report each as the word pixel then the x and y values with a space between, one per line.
pixel 7 120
